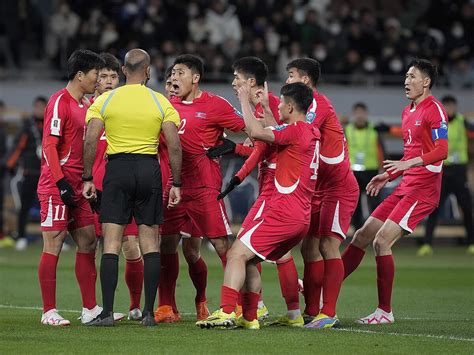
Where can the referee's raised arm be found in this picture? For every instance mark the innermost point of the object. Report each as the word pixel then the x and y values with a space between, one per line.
pixel 133 116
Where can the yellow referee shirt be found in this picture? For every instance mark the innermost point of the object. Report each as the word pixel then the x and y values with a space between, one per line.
pixel 132 115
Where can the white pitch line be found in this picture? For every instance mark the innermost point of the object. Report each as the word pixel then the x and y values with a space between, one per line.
pixel 441 337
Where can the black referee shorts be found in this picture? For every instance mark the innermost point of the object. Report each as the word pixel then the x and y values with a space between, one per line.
pixel 132 187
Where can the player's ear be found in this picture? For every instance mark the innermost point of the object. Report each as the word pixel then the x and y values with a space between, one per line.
pixel 124 70
pixel 196 78
pixel 305 79
pixel 426 82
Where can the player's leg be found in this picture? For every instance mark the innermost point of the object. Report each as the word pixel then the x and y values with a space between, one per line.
pixel 52 244
pixel 150 247
pixel 313 274
pixel 288 277
pixel 197 269
pixel 133 270
pixel 460 188
pixel 167 311
pixel 251 296
pixel 27 197
pixel 221 245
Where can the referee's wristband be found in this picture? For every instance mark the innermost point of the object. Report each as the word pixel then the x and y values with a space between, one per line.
pixel 177 184
pixel 87 178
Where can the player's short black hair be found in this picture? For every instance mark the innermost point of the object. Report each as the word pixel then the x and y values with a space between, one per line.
pixel 192 61
pixel 427 68
pixel 449 99
pixel 111 62
pixel 252 67
pixel 300 94
pixel 41 99
pixel 83 60
pixel 307 66
pixel 359 104
pixel 168 72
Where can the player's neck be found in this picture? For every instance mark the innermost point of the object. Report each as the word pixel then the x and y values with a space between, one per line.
pixel 75 91
pixel 296 118
pixel 419 99
pixel 195 93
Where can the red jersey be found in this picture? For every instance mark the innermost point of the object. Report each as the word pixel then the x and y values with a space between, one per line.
pixel 263 154
pixel 98 169
pixel 64 120
pixel 202 123
pixel 335 167
pixel 422 125
pixel 296 171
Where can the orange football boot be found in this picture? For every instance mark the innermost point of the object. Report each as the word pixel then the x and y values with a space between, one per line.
pixel 165 314
pixel 202 312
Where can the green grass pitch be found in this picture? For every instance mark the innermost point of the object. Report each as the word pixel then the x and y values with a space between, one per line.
pixel 433 304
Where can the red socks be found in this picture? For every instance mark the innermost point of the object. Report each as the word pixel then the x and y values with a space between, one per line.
pixel 198 274
pixel 169 276
pixel 351 258
pixel 134 280
pixel 313 281
pixel 333 277
pixel 47 280
pixel 385 276
pixel 250 305
pixel 86 275
pixel 288 276
pixel 229 298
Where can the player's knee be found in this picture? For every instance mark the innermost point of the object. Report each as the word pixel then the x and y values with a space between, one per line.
pixel 87 245
pixel 169 244
pixel 221 245
pixel 191 253
pixel 131 249
pixel 310 249
pixel 362 238
pixel 329 247
pixel 380 243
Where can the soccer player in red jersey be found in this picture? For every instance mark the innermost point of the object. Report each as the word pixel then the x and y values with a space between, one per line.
pixel 204 116
pixel 109 78
pixel 333 204
pixel 425 141
pixel 271 235
pixel 253 71
pixel 63 208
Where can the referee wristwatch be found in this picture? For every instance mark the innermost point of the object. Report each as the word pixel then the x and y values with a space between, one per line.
pixel 87 178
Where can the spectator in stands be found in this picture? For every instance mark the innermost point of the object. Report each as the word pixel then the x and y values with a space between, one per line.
pixel 5 241
pixel 223 23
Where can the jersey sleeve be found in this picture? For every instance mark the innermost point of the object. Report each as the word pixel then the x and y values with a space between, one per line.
pixel 252 161
pixel 96 110
pixel 227 116
pixel 170 113
pixel 285 134
pixel 437 122
pixel 56 116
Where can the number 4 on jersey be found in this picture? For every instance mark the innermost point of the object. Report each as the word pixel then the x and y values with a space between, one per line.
pixel 315 162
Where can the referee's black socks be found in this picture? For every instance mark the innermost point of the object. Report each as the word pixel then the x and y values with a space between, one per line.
pixel 108 281
pixel 151 278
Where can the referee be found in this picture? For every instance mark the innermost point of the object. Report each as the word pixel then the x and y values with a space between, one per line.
pixel 133 116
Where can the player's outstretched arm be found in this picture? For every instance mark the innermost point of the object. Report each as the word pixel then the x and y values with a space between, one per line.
pixel 254 127
pixel 175 155
pixel 377 183
pixel 263 98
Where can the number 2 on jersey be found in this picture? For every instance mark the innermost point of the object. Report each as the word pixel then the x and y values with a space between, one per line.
pixel 315 162
pixel 182 126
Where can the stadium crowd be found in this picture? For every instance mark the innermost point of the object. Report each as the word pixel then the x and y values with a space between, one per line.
pixel 355 41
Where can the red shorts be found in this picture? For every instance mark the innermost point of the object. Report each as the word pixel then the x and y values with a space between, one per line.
pixel 406 211
pixel 56 216
pixel 198 215
pixel 270 238
pixel 331 213
pixel 130 229
pixel 258 207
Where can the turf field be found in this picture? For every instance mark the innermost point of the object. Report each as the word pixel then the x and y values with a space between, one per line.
pixel 433 305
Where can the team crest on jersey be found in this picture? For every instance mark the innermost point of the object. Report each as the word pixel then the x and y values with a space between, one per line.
pixel 418 123
pixel 200 115
pixel 310 117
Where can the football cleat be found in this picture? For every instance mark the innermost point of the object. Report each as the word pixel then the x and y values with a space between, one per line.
pixel 238 311
pixel 88 315
pixel 7 242
pixel 287 322
pixel 202 312
pixel 247 324
pixel 52 317
pixel 262 313
pixel 148 320
pixel 218 319
pixel 378 317
pixel 323 321
pixel 307 318
pixel 102 320
pixel 165 314
pixel 425 250
pixel 135 314
pixel 21 244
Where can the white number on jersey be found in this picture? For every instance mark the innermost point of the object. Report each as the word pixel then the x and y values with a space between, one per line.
pixel 182 126
pixel 59 212
pixel 315 162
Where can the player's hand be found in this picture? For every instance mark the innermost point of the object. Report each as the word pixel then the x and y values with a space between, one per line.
pixel 243 92
pixel 95 203
pixel 174 197
pixel 66 192
pixel 262 96
pixel 89 191
pixel 226 147
pixel 232 184
pixel 376 184
pixel 248 142
pixel 395 166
